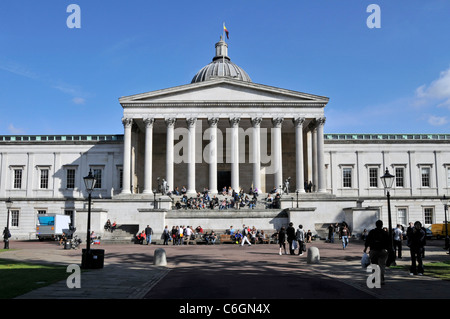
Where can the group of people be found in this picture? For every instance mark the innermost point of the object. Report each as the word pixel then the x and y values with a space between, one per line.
pixel 110 227
pixel 342 230
pixel 249 235
pixel 295 238
pixel 237 200
pixel 145 236
pixel 379 242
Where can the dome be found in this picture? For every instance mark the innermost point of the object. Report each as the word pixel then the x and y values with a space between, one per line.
pixel 221 66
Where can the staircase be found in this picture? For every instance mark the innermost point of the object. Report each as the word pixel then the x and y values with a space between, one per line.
pixel 123 234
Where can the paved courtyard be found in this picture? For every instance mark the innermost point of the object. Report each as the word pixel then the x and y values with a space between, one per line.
pixel 229 271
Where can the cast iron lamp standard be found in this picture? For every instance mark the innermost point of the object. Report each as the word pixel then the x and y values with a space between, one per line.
pixel 89 182
pixel 445 201
pixel 6 231
pixel 388 180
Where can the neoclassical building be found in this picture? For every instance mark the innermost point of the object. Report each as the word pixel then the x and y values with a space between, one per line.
pixel 224 131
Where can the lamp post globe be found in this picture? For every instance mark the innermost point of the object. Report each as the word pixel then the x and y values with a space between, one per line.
pixel 388 180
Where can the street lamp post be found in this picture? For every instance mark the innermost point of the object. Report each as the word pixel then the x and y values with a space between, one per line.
pixel 6 232
pixel 89 182
pixel 445 201
pixel 387 179
pixel 296 192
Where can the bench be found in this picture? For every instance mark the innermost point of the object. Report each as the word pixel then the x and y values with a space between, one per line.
pixel 224 238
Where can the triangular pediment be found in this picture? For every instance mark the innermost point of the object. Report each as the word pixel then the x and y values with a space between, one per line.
pixel 223 90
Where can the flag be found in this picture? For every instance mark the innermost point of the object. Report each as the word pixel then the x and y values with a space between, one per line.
pixel 226 31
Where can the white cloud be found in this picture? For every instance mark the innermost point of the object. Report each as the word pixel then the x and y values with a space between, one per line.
pixel 436 93
pixel 15 131
pixel 437 120
pixel 78 100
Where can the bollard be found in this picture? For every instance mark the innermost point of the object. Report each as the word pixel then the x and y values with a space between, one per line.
pixel 313 255
pixel 160 257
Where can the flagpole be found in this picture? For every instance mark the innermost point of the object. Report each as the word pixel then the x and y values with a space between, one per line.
pixel 223 55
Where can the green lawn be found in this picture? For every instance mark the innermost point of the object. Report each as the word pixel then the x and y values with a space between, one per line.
pixel 17 278
pixel 439 270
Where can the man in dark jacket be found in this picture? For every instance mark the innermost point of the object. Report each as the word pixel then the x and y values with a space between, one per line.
pixel 416 243
pixel 378 241
pixel 290 233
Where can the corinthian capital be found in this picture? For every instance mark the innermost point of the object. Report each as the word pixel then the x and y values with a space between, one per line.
pixel 191 121
pixel 149 121
pixel 213 121
pixel 277 121
pixel 170 121
pixel 256 121
pixel 127 122
pixel 298 121
pixel 234 121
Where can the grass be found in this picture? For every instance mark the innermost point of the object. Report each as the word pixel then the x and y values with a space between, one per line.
pixel 18 278
pixel 439 270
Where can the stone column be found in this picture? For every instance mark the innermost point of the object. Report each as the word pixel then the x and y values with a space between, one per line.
pixel 170 124
pixel 234 152
pixel 320 156
pixel 276 154
pixel 299 176
pixel 314 156
pixel 256 152
pixel 213 121
pixel 126 183
pixel 191 122
pixel 148 155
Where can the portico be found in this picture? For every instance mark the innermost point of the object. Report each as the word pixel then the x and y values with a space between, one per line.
pixel 223 124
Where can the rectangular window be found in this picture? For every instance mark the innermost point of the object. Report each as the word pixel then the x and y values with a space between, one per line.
pixel 44 179
pixel 448 177
pixel 41 212
pixel 373 177
pixel 121 178
pixel 428 213
pixel 401 216
pixel 17 178
pixel 347 177
pixel 399 177
pixel 15 218
pixel 98 176
pixel 425 172
pixel 70 178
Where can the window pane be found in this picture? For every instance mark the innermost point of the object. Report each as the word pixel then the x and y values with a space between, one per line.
pixel 373 177
pixel 70 178
pixel 15 218
pixel 425 176
pixel 428 215
pixel 347 177
pixel 399 177
pixel 98 176
pixel 44 178
pixel 401 216
pixel 17 179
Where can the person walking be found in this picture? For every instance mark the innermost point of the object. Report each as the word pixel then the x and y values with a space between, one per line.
pixel 398 238
pixel 416 243
pixel 282 239
pixel 331 233
pixel 245 234
pixel 300 236
pixel 166 235
pixel 345 233
pixel 290 233
pixel 148 234
pixel 378 242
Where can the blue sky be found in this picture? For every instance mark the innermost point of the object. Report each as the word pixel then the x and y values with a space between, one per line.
pixel 57 80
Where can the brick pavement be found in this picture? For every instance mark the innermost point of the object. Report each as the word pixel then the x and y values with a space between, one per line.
pixel 129 272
